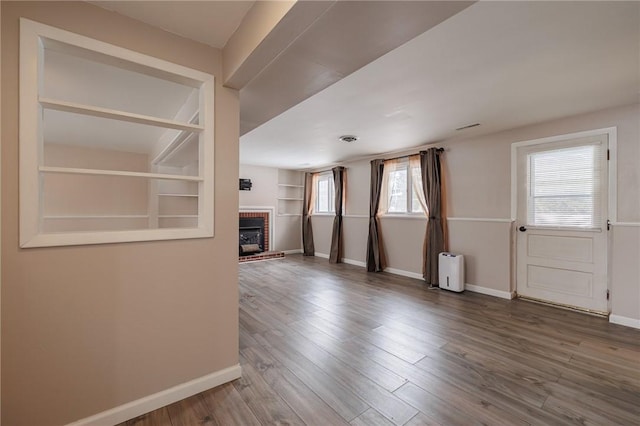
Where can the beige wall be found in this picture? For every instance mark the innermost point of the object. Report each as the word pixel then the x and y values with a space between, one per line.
pixel 624 270
pixel 322 225
pixel 265 193
pixel 66 195
pixel 478 177
pixel 355 231
pixel 264 190
pixel 88 328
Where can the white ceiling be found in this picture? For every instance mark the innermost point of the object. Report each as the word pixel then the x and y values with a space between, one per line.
pixel 502 64
pixel 209 22
pixel 346 36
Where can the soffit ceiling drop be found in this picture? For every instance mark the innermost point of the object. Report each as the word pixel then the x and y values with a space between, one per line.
pixel 345 37
pixel 501 64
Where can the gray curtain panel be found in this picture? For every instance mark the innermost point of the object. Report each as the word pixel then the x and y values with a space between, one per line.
pixel 307 207
pixel 434 238
pixel 335 255
pixel 375 252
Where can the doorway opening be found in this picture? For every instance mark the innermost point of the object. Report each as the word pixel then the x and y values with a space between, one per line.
pixel 561 198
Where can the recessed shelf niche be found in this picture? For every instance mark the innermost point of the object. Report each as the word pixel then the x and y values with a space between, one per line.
pixel 111 140
pixel 290 193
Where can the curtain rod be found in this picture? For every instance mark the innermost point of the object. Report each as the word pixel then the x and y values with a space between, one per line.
pixel 409 155
pixel 439 150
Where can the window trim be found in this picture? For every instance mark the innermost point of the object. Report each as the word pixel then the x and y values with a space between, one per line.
pixel 34 37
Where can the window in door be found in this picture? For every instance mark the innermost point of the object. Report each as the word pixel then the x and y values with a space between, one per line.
pixel 564 187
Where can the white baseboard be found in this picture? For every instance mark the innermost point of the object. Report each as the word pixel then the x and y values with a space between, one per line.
pixel 626 321
pixel 295 251
pixel 490 291
pixel 471 287
pixel 614 319
pixel 152 402
pixel 349 261
pixel 355 262
pixel 404 273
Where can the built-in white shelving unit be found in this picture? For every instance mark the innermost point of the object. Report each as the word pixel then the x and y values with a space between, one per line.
pixel 290 193
pixel 111 140
pixel 90 217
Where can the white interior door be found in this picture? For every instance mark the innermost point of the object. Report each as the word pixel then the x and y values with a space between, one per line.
pixel 562 222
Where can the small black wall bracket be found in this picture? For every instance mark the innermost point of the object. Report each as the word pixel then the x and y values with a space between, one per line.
pixel 245 184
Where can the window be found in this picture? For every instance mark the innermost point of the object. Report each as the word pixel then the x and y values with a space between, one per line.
pixel 402 182
pixel 325 193
pixel 564 187
pixel 115 145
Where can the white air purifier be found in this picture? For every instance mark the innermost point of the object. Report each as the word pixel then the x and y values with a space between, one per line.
pixel 451 271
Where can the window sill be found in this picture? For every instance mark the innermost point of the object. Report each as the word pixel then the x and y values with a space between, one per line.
pixel 417 216
pixel 324 214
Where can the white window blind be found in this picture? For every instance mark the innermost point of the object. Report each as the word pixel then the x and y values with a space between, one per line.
pixel 565 187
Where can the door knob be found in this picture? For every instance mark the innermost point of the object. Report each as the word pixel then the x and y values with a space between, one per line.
pixel 522 229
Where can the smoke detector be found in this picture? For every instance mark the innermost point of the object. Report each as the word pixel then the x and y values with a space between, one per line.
pixel 348 138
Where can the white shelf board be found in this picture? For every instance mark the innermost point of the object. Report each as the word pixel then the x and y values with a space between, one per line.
pixel 76 171
pixel 93 111
pixel 107 216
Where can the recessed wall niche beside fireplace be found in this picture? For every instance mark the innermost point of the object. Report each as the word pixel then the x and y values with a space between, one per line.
pixel 253 233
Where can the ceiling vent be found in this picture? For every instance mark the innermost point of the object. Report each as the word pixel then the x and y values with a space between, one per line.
pixel 469 126
pixel 348 138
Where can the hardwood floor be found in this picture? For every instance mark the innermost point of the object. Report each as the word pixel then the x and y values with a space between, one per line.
pixel 325 344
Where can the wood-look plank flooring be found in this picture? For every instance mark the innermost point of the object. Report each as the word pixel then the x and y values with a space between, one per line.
pixel 325 344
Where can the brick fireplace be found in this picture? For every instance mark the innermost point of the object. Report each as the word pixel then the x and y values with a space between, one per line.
pixel 267 253
pixel 265 217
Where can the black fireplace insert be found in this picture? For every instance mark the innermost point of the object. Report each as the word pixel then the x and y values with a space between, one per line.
pixel 251 239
